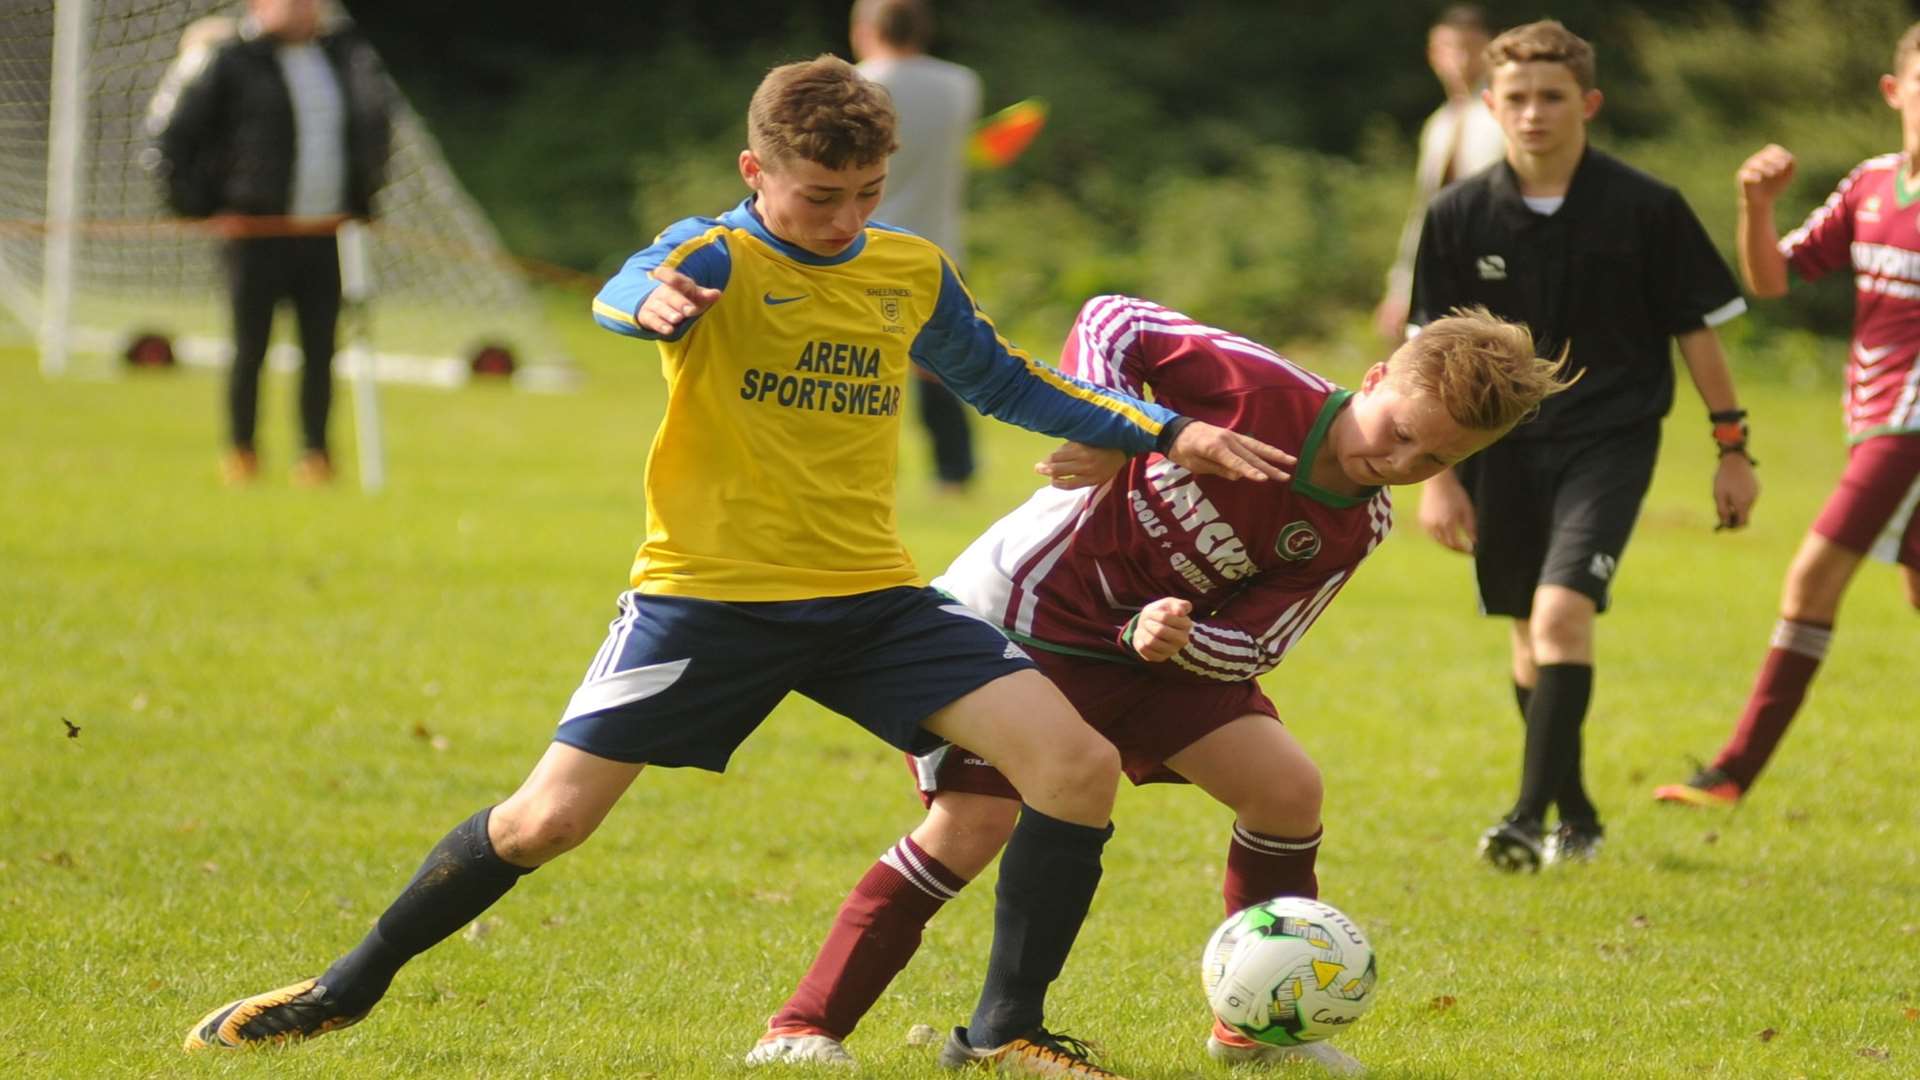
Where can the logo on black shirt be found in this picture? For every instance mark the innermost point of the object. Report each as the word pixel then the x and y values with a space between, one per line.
pixel 1491 267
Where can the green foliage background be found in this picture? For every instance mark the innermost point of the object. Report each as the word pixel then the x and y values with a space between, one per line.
pixel 1247 163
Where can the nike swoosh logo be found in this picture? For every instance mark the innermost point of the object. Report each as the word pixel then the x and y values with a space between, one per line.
pixel 772 299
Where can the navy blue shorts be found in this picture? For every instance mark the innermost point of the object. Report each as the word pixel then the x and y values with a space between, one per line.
pixel 682 682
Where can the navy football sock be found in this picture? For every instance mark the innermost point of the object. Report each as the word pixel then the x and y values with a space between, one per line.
pixel 461 877
pixel 1048 874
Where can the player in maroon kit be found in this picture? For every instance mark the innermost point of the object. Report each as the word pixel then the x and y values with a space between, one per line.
pixel 1870 225
pixel 1153 598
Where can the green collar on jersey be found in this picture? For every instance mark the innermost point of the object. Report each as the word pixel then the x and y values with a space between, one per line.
pixel 1311 450
pixel 1903 195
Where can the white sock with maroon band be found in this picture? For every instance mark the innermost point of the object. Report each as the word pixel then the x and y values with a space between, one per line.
pixel 873 936
pixel 1261 867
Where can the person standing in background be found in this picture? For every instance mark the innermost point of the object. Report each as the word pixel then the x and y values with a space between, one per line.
pixel 938 103
pixel 1459 139
pixel 279 139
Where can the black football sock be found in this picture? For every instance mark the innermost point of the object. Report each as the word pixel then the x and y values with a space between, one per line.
pixel 1554 714
pixel 1048 874
pixel 1521 695
pixel 461 878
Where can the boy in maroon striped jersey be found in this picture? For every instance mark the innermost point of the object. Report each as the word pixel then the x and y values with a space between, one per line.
pixel 1871 226
pixel 1154 598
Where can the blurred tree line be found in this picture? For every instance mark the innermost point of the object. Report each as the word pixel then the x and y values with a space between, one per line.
pixel 1248 162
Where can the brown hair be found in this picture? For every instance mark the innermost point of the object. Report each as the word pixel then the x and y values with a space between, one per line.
pixel 823 111
pixel 1470 18
pixel 1548 42
pixel 1908 44
pixel 903 24
pixel 1481 367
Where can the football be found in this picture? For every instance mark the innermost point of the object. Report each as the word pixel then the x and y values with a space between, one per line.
pixel 1288 971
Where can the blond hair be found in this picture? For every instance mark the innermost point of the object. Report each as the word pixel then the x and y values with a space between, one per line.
pixel 823 111
pixel 1481 367
pixel 1545 42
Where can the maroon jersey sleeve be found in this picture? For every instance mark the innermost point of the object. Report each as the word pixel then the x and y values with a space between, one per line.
pixel 1250 634
pixel 1129 344
pixel 1823 243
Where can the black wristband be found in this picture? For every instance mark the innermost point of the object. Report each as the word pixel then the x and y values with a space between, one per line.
pixel 1727 416
pixel 1738 448
pixel 1170 431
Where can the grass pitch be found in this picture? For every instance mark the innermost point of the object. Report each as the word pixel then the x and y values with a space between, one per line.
pixel 283 698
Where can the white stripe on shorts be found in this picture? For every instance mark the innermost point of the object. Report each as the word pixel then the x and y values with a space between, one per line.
pixel 624 688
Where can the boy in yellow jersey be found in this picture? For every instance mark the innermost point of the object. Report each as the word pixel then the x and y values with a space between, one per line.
pixel 772 563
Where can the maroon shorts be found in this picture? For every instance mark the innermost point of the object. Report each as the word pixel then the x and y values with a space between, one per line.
pixel 1148 716
pixel 1872 511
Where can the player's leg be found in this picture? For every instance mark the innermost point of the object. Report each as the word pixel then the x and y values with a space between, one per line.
pixel 1066 774
pixel 879 925
pixel 1871 510
pixel 1255 767
pixel 1596 500
pixel 316 301
pixel 928 670
pixel 1510 484
pixel 254 282
pixel 665 688
pixel 565 798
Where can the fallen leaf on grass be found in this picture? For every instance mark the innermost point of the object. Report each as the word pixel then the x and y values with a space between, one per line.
pixel 1767 1034
pixel 1442 1003
pixel 1910 1014
pixel 1875 1053
pixel 922 1035
pixel 480 929
pixel 1639 922
pixel 1710 838
pixel 56 858
pixel 209 867
pixel 154 984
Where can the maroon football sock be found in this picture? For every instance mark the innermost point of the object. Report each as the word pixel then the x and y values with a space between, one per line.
pixel 874 935
pixel 1261 867
pixel 1798 648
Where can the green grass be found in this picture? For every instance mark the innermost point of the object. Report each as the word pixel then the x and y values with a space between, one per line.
pixel 285 697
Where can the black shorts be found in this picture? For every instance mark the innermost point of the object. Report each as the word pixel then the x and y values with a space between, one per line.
pixel 1556 513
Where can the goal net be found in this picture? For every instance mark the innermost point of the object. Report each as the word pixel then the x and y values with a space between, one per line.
pixel 443 286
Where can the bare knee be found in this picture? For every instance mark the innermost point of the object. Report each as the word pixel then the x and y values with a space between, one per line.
pixel 1287 806
pixel 529 832
pixel 1561 626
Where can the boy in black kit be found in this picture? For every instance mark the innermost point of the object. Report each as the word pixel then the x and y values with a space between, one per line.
pixel 1607 263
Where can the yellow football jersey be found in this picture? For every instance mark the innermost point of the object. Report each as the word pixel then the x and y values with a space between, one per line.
pixel 772 474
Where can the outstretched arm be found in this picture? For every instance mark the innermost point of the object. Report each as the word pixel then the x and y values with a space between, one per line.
pixel 962 347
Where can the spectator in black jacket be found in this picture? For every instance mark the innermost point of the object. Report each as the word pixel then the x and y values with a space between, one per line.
pixel 279 138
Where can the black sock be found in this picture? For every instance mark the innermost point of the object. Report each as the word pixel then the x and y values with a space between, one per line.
pixel 1048 874
pixel 1572 797
pixel 1522 695
pixel 1555 711
pixel 461 878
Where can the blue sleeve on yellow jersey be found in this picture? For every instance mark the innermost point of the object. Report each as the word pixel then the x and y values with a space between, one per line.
pixel 620 298
pixel 962 347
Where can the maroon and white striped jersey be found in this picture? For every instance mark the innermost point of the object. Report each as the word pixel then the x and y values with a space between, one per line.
pixel 1871 225
pixel 1068 570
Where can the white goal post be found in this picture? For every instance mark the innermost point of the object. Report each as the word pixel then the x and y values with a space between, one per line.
pixel 90 259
